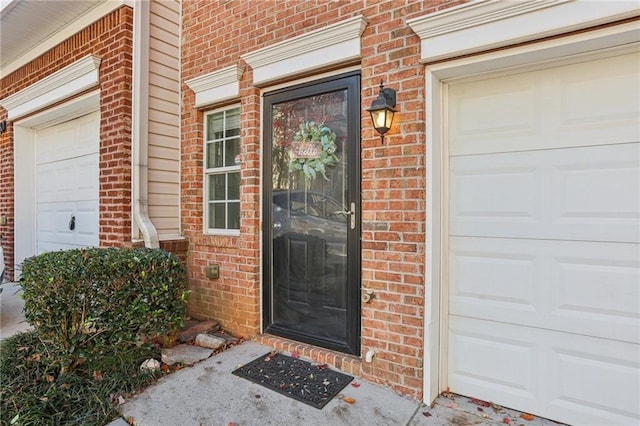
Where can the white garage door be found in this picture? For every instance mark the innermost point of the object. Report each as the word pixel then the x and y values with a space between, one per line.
pixel 67 184
pixel 544 213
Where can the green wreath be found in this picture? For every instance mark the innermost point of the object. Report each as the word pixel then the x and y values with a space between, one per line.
pixel 310 131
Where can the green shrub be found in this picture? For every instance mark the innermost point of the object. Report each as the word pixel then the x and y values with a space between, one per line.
pixel 33 392
pixel 83 301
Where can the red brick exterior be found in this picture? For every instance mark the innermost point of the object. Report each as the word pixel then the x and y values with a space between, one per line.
pixel 110 38
pixel 215 35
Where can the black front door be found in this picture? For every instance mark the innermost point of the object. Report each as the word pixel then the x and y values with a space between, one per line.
pixel 311 213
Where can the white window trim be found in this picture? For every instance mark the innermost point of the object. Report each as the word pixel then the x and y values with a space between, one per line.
pixel 334 44
pixel 205 181
pixel 217 86
pixel 526 27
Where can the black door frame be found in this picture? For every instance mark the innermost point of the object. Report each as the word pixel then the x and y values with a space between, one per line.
pixel 351 83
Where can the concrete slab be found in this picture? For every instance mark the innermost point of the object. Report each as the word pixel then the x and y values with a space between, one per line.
pixel 12 319
pixel 208 394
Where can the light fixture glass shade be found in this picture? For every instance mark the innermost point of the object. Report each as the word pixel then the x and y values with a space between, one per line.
pixel 382 110
pixel 382 119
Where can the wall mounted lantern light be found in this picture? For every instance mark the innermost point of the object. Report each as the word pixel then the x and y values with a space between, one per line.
pixel 382 110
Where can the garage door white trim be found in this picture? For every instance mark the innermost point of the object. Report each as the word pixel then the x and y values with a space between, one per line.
pixel 599 41
pixel 24 171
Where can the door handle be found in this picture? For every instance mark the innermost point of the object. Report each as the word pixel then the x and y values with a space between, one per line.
pixel 351 213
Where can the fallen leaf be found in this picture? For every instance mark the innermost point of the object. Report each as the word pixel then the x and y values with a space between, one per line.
pixel 480 402
pixel 258 396
pixel 527 417
pixel 323 366
pixel 120 400
pixel 130 420
pixel 295 354
pixel 355 384
pixel 506 421
pixel 485 416
pixel 49 378
pixel 97 375
pixel 479 409
pixel 426 414
pixel 231 424
pixel 348 400
pixel 452 405
pixel 44 399
pixel 165 368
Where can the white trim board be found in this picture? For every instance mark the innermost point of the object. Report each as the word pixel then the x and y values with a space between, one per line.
pixel 580 46
pixel 62 84
pixel 487 24
pixel 334 44
pixel 216 86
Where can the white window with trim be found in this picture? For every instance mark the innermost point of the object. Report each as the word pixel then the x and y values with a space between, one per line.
pixel 222 171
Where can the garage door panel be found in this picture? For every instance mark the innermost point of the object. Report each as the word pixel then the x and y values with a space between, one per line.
pixel 569 106
pixel 569 377
pixel 71 139
pixel 68 180
pixel 608 369
pixel 53 221
pixel 588 194
pixel 500 362
pixel 67 184
pixel 87 223
pixel 511 116
pixel 563 285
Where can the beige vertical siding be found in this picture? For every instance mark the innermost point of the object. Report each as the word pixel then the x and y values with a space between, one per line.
pixel 164 118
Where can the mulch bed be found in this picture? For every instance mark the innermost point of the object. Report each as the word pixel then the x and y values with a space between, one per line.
pixel 311 384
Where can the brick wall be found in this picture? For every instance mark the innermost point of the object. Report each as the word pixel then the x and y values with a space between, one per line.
pixel 109 38
pixel 6 195
pixel 215 34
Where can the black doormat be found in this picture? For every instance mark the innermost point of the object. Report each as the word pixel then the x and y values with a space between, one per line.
pixel 311 384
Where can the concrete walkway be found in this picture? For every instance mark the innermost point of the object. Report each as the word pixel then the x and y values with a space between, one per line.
pixel 207 394
pixel 11 317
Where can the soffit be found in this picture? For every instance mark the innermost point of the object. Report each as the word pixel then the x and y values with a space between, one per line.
pixel 25 24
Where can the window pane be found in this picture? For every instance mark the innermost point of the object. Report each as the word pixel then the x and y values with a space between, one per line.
pixel 232 123
pixel 217 189
pixel 234 216
pixel 218 210
pixel 232 148
pixel 214 154
pixel 215 126
pixel 212 215
pixel 234 186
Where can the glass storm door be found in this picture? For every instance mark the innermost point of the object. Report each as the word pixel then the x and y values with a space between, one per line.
pixel 311 208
